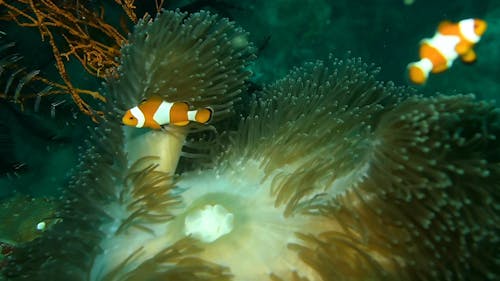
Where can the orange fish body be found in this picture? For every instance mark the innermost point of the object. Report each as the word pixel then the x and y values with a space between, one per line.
pixel 450 41
pixel 155 113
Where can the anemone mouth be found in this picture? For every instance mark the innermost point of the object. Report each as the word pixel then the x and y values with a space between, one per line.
pixel 208 223
pixel 259 230
pixel 212 216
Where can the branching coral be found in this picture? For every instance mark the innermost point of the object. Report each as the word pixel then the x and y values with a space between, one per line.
pixel 332 176
pixel 76 25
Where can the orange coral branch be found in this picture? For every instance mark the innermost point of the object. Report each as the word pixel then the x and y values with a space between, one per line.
pixel 82 105
pixel 86 36
pixel 129 8
pixel 64 89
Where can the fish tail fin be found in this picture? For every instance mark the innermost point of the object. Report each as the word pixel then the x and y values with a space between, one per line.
pixel 204 115
pixel 418 72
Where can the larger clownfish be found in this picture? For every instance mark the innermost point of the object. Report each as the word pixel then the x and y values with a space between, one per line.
pixel 154 113
pixel 450 41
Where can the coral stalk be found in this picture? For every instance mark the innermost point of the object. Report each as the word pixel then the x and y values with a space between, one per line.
pixel 166 145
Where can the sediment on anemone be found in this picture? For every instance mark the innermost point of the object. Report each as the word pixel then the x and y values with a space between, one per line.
pixel 196 58
pixel 25 218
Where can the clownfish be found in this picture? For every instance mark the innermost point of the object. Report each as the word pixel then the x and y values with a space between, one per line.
pixel 154 113
pixel 450 41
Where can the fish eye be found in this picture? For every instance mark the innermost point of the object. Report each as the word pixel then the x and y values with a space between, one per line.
pixel 131 118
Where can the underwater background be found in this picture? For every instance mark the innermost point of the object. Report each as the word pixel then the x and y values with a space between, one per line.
pixel 44 130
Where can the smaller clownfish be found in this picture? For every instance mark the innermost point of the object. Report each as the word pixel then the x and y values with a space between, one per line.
pixel 155 112
pixel 450 41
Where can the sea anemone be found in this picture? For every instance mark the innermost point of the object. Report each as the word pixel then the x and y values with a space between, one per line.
pixel 199 58
pixel 335 176
pixel 331 176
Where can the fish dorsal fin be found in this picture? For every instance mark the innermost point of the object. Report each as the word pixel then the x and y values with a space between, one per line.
pixel 448 28
pixel 149 106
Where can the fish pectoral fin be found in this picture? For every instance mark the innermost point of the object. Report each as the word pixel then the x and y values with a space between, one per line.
pixel 469 57
pixel 462 47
